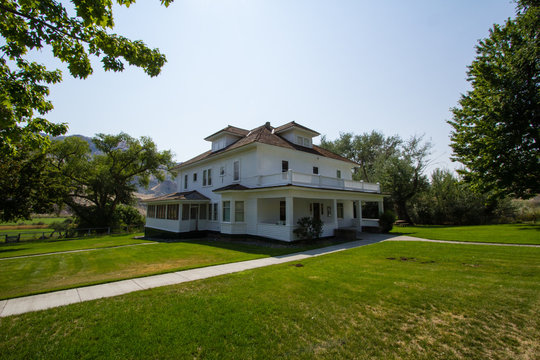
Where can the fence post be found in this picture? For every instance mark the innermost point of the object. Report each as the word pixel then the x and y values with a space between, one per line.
pixel 109 230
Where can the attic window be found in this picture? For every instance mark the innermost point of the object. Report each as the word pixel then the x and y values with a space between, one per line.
pixel 303 141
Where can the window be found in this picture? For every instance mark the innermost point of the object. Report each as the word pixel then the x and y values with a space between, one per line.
pixel 282 211
pixel 338 174
pixel 236 168
pixel 227 211
pixel 194 177
pixel 315 170
pixel 185 211
pixel 222 171
pixel 185 181
pixel 215 212
pixel 340 210
pixel 210 211
pixel 207 177
pixel 303 141
pixel 151 211
pixel 202 212
pixel 238 211
pixel 355 215
pixel 160 211
pixel 172 212
pixel 284 166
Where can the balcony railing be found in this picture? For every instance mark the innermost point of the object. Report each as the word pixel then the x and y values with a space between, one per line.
pixel 312 180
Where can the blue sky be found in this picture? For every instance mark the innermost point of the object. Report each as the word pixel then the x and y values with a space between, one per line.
pixel 334 66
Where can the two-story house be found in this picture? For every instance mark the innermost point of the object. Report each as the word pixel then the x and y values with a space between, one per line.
pixel 260 182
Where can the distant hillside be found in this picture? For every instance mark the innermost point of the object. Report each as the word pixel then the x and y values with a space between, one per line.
pixel 155 188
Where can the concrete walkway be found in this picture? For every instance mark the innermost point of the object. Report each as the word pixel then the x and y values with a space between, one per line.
pixel 65 297
pixel 412 238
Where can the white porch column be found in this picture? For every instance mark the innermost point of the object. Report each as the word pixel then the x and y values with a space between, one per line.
pixel 334 206
pixel 289 211
pixel 381 206
pixel 359 214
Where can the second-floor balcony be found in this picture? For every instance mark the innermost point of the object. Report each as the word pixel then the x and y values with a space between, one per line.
pixel 313 180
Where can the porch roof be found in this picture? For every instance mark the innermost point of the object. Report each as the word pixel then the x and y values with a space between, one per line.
pixel 188 195
pixel 238 187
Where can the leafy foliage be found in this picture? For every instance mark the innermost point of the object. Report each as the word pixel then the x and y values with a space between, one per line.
pixel 32 25
pixel 28 185
pixel 99 184
pixel 370 150
pixel 309 228
pixel 386 221
pixel 397 164
pixel 496 125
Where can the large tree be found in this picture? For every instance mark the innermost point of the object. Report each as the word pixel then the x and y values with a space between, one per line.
pixel 370 150
pixel 73 34
pixel 496 125
pixel 97 184
pixel 397 164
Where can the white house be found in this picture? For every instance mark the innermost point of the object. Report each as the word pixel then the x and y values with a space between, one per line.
pixel 260 182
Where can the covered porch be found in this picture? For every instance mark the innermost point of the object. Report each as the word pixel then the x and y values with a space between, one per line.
pixel 274 212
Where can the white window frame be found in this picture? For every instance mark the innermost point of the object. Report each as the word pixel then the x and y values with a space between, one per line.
pixel 186 177
pixel 241 211
pixel 338 174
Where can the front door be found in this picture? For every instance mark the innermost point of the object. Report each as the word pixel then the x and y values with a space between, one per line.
pixel 316 211
pixel 194 217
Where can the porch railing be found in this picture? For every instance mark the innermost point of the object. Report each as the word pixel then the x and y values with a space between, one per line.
pixel 317 181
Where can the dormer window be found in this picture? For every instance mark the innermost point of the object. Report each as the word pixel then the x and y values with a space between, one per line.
pixel 303 141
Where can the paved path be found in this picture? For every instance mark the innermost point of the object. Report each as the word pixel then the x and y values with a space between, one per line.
pixel 74 251
pixel 412 238
pixel 65 297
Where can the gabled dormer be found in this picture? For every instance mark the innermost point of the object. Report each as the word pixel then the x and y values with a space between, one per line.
pixel 226 137
pixel 297 134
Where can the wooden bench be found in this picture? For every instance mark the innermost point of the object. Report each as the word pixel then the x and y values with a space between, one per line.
pixel 13 238
pixel 401 223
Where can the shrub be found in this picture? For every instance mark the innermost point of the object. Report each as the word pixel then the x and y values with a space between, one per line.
pixel 386 221
pixel 309 228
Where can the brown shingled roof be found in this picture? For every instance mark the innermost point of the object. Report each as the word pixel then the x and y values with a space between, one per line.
pixel 266 135
pixel 293 124
pixel 188 195
pixel 231 130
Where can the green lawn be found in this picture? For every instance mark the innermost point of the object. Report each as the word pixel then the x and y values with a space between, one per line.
pixel 24 276
pixel 51 246
pixel 507 233
pixel 390 300
pixel 35 221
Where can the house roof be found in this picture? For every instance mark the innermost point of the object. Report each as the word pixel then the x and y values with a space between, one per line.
pixel 188 195
pixel 291 125
pixel 266 134
pixel 233 130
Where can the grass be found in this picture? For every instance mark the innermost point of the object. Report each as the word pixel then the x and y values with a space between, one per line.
pixel 35 221
pixel 390 300
pixel 507 233
pixel 32 275
pixel 51 246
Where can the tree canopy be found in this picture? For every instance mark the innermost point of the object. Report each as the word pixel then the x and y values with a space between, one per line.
pixel 73 34
pixel 496 125
pixel 396 164
pixel 97 184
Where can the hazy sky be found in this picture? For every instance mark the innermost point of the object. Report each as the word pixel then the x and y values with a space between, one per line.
pixel 334 66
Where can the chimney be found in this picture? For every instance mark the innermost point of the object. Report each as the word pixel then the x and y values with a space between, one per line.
pixel 268 126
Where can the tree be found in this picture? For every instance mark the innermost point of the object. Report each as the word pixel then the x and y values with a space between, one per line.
pixel 98 184
pixel 496 125
pixel 370 150
pixel 402 175
pixel 31 25
pixel 29 185
pixel 398 165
